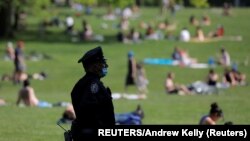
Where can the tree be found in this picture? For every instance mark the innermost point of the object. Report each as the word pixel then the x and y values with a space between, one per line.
pixel 116 3
pixel 199 3
pixel 10 11
pixel 87 2
pixel 5 14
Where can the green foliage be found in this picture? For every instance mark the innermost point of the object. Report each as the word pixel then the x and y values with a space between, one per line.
pixel 37 5
pixel 124 3
pixel 116 3
pixel 180 2
pixel 87 2
pixel 14 3
pixel 152 2
pixel 159 2
pixel 199 3
pixel 40 3
pixel 2 3
pixel 36 124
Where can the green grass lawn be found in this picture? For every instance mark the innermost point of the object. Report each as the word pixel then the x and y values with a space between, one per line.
pixel 36 124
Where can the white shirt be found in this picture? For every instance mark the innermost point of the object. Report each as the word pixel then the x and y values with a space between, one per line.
pixel 185 35
pixel 69 21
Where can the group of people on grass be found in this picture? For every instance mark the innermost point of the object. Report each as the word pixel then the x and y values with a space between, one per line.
pixel 136 75
pixel 27 97
pixel 230 78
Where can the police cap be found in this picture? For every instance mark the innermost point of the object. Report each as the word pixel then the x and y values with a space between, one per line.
pixel 92 56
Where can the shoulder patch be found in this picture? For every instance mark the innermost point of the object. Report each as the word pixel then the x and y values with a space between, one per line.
pixel 94 88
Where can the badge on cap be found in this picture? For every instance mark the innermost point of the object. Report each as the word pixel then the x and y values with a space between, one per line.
pixel 94 88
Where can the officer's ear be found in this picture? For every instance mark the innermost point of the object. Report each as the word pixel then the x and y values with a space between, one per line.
pixel 95 67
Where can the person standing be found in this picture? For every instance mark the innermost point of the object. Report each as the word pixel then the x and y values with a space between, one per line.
pixel 141 80
pixel 92 101
pixel 10 52
pixel 131 74
pixel 19 63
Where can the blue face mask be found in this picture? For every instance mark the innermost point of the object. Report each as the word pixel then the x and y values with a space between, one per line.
pixel 104 71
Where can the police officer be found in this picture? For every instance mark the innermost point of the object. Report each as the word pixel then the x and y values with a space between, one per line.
pixel 91 100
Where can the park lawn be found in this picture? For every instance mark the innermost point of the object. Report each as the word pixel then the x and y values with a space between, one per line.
pixel 36 124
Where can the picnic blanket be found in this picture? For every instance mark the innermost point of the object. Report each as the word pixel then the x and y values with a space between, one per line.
pixel 160 61
pixel 171 62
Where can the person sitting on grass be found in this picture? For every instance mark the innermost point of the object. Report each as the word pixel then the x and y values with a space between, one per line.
pixel 224 58
pixel 214 115
pixel 199 35
pixel 239 77
pixel 172 88
pixel 2 102
pixel 212 78
pixel 27 96
pixel 228 78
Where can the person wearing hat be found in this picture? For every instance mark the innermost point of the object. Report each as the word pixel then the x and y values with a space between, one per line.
pixel 91 100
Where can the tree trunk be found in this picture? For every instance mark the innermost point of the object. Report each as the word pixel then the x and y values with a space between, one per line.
pixel 5 22
pixel 16 19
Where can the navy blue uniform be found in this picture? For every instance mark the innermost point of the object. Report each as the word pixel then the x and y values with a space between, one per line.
pixel 93 105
